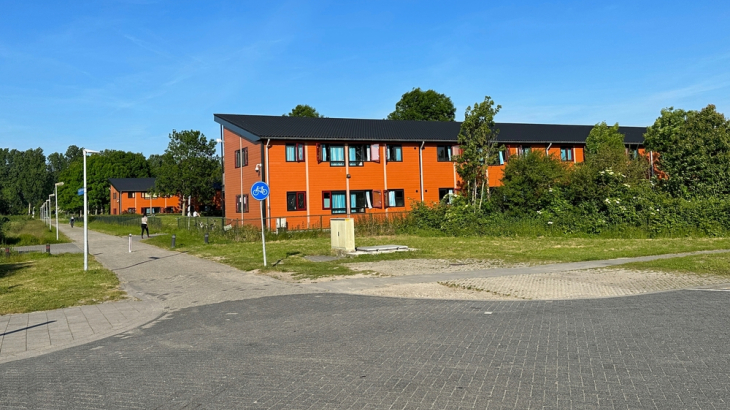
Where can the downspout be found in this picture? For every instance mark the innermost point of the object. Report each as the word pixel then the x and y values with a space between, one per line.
pixel 223 175
pixel 547 150
pixel 651 163
pixel 306 177
pixel 347 179
pixel 420 166
pixel 268 200
pixel 240 167
pixel 384 199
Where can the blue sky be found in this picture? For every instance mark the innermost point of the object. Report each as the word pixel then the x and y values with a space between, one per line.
pixel 123 74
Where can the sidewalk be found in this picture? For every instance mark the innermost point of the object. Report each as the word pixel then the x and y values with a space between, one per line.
pixel 158 281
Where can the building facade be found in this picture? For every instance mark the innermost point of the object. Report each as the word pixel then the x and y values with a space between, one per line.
pixel 319 168
pixel 132 196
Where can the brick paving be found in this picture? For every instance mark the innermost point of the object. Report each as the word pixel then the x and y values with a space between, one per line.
pixel 332 351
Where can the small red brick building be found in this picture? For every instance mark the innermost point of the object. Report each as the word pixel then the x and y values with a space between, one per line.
pixel 132 196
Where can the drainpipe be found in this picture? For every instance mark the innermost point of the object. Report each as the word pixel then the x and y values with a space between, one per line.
pixel 420 166
pixel 547 150
pixel 347 179
pixel 268 200
pixel 240 168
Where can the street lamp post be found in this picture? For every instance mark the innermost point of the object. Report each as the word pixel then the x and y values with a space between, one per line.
pixel 56 185
pixel 86 213
pixel 50 214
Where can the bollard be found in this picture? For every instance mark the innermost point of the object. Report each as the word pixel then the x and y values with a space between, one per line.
pixel 206 238
pixel 48 249
pixel 130 243
pixel 173 240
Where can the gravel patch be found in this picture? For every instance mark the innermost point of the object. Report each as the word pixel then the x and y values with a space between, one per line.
pixel 405 267
pixel 589 283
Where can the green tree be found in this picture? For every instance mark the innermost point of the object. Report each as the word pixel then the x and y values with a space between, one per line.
pixel 479 148
pixel 189 167
pixel 530 182
pixel 155 162
pixel 606 168
pixel 417 105
pixel 694 151
pixel 25 179
pixel 99 168
pixel 303 111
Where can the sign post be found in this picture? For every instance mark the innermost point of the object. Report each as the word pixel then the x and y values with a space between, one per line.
pixel 259 192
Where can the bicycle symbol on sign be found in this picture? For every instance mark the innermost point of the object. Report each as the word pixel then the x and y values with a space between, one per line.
pixel 260 191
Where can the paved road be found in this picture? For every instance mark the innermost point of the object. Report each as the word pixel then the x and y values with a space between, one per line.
pixel 330 351
pixel 222 338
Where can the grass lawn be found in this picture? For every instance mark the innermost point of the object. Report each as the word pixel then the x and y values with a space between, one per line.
pixel 710 264
pixel 21 231
pixel 36 281
pixel 248 255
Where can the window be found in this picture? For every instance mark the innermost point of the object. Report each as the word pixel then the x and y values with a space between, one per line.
pixel 241 157
pixel 446 194
pixel 130 194
pixel 633 153
pixel 147 195
pixel 296 201
pixel 336 155
pixel 566 154
pixel 115 195
pixel 294 152
pixel 444 153
pixel 131 210
pixel 394 153
pixel 241 201
pixel 359 154
pixel 359 201
pixel 524 150
pixel 395 198
pixel 334 201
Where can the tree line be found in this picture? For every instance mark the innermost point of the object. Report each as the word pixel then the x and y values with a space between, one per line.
pixel 188 167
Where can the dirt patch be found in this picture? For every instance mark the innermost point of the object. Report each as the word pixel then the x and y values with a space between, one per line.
pixel 405 267
pixel 577 284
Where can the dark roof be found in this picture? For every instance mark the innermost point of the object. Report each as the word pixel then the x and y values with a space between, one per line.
pixel 132 184
pixel 256 127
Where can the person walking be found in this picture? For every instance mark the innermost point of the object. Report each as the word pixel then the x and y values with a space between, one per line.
pixel 144 226
pixel 72 221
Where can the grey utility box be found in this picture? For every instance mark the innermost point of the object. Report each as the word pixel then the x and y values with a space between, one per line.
pixel 342 231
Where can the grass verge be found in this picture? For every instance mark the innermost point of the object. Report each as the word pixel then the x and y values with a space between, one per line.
pixel 290 253
pixel 707 264
pixel 37 281
pixel 21 231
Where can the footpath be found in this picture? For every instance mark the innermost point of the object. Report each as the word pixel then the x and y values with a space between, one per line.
pixel 157 281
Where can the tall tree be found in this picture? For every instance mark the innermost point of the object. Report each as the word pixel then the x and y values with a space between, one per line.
pixel 26 180
pixel 189 167
pixel 479 148
pixel 417 105
pixel 99 168
pixel 694 151
pixel 303 111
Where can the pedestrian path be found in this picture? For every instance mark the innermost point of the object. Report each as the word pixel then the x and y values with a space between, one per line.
pixel 158 281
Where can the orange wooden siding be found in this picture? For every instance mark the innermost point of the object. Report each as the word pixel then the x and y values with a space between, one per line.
pixel 121 203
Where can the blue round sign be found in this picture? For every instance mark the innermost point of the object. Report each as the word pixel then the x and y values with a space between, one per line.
pixel 260 191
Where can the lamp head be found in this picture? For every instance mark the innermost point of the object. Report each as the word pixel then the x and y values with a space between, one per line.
pixel 90 151
pixel 58 184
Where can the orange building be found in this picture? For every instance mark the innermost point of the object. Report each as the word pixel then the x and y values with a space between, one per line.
pixel 131 196
pixel 318 168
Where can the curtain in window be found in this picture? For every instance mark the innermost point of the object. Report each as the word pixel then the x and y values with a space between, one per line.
pixel 391 198
pixel 398 154
pixel 291 153
pixel 501 158
pixel 368 200
pixel 300 152
pixel 353 154
pixel 337 153
pixel 338 202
